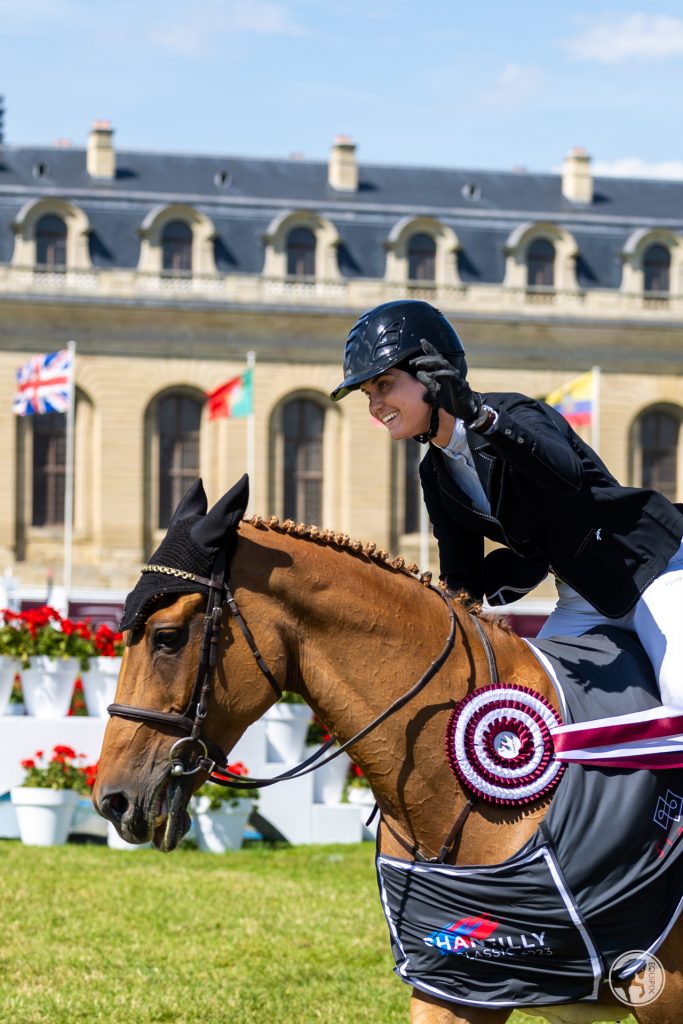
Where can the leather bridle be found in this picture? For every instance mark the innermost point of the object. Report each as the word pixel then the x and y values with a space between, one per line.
pixel 209 757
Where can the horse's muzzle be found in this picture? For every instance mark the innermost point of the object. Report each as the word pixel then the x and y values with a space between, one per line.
pixel 126 815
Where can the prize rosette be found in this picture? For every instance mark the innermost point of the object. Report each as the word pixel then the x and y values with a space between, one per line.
pixel 499 746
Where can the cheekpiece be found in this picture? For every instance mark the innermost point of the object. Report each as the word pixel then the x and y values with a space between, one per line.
pixel 499 745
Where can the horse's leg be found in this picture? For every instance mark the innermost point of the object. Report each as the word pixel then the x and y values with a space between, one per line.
pixel 426 1010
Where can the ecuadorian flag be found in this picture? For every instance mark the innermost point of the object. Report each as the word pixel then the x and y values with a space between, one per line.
pixel 575 400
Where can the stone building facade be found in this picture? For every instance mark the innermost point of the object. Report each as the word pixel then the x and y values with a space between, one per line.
pixel 167 269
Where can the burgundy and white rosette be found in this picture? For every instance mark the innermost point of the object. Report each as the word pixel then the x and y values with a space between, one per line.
pixel 499 746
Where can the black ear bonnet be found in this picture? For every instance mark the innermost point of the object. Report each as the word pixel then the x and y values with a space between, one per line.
pixel 192 545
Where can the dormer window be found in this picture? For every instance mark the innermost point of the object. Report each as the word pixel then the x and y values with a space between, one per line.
pixel 176 248
pixel 656 270
pixel 541 264
pixel 301 253
pixel 51 243
pixel 422 258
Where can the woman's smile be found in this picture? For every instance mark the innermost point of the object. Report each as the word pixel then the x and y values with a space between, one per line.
pixel 396 399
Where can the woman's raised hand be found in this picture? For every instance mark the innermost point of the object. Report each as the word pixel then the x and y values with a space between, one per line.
pixel 445 387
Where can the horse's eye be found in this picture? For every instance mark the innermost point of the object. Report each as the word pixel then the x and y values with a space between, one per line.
pixel 169 639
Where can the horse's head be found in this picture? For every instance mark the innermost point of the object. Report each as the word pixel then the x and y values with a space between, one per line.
pixel 172 622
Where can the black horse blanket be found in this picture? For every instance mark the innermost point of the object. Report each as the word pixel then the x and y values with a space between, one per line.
pixel 603 874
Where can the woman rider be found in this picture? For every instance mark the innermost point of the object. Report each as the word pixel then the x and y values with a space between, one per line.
pixel 509 468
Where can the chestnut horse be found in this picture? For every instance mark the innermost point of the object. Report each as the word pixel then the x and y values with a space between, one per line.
pixel 351 632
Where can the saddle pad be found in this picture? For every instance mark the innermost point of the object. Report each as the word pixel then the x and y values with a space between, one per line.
pixel 505 935
pixel 601 876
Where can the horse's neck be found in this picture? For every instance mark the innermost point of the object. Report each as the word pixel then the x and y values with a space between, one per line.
pixel 358 636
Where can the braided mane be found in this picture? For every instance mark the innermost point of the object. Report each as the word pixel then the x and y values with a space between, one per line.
pixel 377 555
pixel 341 540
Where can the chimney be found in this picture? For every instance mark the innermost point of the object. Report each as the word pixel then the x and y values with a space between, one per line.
pixel 342 171
pixel 577 180
pixel 101 158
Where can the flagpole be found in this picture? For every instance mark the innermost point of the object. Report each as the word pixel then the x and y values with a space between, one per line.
pixel 424 530
pixel 69 477
pixel 595 421
pixel 251 433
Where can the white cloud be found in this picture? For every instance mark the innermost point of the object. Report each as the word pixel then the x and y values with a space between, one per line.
pixel 613 39
pixel 204 24
pixel 514 87
pixel 634 167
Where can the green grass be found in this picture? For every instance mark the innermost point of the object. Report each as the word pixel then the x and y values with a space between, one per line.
pixel 293 935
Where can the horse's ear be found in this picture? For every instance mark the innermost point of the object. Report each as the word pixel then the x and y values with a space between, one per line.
pixel 192 503
pixel 223 518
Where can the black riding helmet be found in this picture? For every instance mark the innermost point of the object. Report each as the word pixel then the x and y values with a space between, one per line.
pixel 389 334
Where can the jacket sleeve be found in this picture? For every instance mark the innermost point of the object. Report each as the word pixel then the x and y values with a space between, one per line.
pixel 536 441
pixel 461 552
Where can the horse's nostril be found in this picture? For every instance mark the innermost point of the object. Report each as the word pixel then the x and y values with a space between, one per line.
pixel 113 807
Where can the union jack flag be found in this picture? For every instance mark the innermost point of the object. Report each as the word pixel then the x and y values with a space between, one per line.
pixel 43 384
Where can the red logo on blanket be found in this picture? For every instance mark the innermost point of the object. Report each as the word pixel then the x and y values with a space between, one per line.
pixel 499 746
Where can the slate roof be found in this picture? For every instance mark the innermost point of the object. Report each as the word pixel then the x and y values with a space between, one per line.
pixel 260 189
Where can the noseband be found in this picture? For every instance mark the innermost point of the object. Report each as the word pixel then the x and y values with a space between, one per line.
pixel 210 758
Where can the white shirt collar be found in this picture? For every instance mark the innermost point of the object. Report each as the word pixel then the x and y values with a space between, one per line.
pixel 458 443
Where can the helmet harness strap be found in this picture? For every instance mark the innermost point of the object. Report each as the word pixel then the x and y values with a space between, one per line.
pixel 433 427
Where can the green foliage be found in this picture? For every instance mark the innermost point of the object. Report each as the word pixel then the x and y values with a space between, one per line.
pixel 64 769
pixel 219 795
pixel 43 631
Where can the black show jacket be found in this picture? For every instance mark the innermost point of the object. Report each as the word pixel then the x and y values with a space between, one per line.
pixel 552 501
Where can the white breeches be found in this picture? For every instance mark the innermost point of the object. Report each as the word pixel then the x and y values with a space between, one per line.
pixel 656 619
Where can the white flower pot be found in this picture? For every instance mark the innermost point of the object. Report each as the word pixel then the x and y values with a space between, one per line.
pixel 48 686
pixel 328 781
pixel 8 670
pixel 43 815
pixel 286 728
pixel 223 829
pixel 115 842
pixel 99 684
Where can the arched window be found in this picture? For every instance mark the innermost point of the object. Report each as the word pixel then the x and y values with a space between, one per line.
pixel 658 447
pixel 303 422
pixel 656 269
pixel 49 469
pixel 176 248
pixel 422 258
pixel 178 423
pixel 51 243
pixel 541 264
pixel 301 253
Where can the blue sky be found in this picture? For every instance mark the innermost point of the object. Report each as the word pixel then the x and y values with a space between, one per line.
pixel 427 82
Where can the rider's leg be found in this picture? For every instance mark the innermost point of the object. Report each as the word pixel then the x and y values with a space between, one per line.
pixel 658 622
